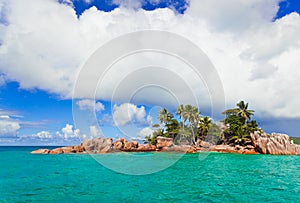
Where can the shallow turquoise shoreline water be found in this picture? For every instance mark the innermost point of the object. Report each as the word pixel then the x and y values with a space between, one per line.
pixel 213 177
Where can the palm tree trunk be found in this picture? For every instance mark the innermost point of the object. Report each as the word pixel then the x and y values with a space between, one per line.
pixel 193 138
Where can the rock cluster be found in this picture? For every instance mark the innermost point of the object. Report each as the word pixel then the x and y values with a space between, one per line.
pixel 122 144
pixel 274 144
pixel 61 150
pixel 249 149
pixel 40 151
pixel 98 145
pixel 203 144
pixel 180 148
pixel 207 146
pixel 261 143
pixel 164 142
pixel 106 145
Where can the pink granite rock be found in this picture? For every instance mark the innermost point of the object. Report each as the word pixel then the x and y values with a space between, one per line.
pixel 274 144
pixel 164 142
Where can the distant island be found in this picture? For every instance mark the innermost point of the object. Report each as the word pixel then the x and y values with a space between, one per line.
pixel 192 133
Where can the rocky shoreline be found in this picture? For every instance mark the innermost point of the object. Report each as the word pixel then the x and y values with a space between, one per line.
pixel 277 144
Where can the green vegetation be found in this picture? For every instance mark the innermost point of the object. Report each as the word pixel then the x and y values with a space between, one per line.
pixel 192 126
pixel 239 125
pixel 296 140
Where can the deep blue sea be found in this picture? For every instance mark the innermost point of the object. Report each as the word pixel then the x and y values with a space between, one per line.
pixel 204 177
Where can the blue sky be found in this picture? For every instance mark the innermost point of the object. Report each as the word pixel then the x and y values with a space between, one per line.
pixel 38 111
pixel 108 5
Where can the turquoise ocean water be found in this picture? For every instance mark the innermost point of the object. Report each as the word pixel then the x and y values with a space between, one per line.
pixel 212 177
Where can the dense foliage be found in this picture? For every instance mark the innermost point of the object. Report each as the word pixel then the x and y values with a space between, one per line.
pixel 189 128
pixel 192 126
pixel 296 140
pixel 239 125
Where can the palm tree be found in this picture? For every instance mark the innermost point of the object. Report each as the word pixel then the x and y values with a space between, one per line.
pixel 182 115
pixel 172 128
pixel 190 113
pixel 240 124
pixel 180 110
pixel 204 126
pixel 165 117
pixel 158 129
pixel 242 111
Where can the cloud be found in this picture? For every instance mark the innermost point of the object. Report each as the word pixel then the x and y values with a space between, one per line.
pixel 4 117
pixel 129 113
pixel 8 127
pixel 229 16
pixel 10 113
pixel 43 135
pixel 145 132
pixel 70 2
pixel 2 80
pixel 67 135
pixel 135 4
pixel 105 119
pixel 67 132
pixel 94 131
pixel 91 105
pixel 256 58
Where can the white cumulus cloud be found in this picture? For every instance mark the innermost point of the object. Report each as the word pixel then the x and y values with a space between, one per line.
pixel 8 127
pixel 94 131
pixel 43 135
pixel 256 58
pixel 68 132
pixel 91 105
pixel 145 132
pixel 127 113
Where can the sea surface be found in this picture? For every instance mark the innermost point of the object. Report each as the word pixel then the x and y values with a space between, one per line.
pixel 204 177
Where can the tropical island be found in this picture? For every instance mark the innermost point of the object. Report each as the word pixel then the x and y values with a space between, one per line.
pixel 192 133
